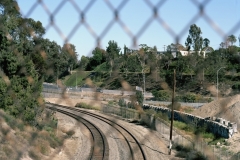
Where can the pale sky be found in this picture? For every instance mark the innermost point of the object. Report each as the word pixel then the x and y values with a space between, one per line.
pixel 220 18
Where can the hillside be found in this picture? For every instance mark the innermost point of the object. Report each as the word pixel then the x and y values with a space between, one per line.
pixel 20 141
pixel 227 108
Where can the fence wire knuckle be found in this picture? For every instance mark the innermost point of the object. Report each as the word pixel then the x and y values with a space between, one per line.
pixel 132 35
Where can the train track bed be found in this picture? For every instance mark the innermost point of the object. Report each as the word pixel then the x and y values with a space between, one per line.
pixel 100 148
pixel 130 146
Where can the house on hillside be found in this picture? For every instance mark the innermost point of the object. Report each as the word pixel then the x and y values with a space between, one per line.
pixel 204 52
pixel 178 49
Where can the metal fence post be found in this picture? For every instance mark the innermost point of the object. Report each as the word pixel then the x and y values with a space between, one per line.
pixel 213 152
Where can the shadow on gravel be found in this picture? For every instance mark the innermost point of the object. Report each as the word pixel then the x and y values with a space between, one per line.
pixel 137 122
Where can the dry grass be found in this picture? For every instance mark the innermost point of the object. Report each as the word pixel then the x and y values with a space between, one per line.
pixel 18 140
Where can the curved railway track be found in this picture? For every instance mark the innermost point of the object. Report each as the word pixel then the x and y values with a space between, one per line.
pixel 100 146
pixel 135 147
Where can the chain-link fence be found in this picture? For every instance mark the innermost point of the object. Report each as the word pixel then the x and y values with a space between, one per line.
pixel 179 138
pixel 28 59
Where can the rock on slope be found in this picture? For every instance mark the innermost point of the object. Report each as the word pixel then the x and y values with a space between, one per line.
pixel 227 108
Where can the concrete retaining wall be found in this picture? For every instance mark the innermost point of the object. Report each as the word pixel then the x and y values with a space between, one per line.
pixel 219 127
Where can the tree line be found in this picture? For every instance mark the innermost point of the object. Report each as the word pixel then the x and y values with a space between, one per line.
pixel 26 61
pixel 198 66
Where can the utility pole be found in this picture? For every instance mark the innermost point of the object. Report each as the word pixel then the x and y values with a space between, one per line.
pixel 217 79
pixel 143 74
pixel 239 39
pixel 172 113
pixel 57 78
pixel 76 79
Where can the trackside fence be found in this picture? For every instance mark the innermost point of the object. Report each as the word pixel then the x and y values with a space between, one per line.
pixel 214 152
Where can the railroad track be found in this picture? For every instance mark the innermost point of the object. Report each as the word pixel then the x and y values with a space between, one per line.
pixel 135 147
pixel 100 148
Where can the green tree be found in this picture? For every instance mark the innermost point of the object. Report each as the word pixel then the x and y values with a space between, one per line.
pixel 70 54
pixel 206 42
pixel 232 39
pixel 162 95
pixel 194 38
pixel 20 85
pixel 84 62
pixel 139 96
pixel 97 58
pixel 113 51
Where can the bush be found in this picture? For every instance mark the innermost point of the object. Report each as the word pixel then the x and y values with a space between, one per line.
pixel 188 153
pixel 236 86
pixel 139 97
pixel 162 95
pixel 34 155
pixel 183 126
pixel 188 97
pixel 11 121
pixel 70 133
pixel 121 102
pixel 86 106
pixel 130 105
pixel 44 147
pixel 208 135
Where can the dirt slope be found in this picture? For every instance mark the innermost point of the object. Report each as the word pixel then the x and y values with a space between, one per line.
pixel 227 108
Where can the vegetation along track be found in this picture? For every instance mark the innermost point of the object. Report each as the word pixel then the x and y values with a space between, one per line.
pixel 100 146
pixel 134 146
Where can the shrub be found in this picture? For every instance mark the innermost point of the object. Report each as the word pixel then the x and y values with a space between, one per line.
pixel 236 86
pixel 8 151
pixel 70 133
pixel 121 102
pixel 188 152
pixel 189 97
pixel 130 105
pixel 44 147
pixel 11 121
pixel 34 155
pixel 139 97
pixel 162 95
pixel 208 135
pixel 86 106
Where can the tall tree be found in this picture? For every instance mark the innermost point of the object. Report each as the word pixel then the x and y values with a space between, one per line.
pixel 70 54
pixel 84 62
pixel 194 38
pixel 113 51
pixel 232 39
pixel 206 42
pixel 97 58
pixel 20 86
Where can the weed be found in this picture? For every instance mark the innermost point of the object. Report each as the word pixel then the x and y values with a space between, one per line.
pixel 8 150
pixel 20 126
pixel 4 130
pixel 34 155
pixel 208 135
pixel 44 147
pixel 86 106
pixel 188 152
pixel 216 140
pixel 70 133
pixel 11 121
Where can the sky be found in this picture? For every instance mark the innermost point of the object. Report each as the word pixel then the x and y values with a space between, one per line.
pixel 136 24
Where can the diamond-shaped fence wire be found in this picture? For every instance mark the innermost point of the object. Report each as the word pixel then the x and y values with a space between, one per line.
pixel 109 86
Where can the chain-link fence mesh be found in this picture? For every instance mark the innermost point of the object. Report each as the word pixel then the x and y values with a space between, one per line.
pixel 59 92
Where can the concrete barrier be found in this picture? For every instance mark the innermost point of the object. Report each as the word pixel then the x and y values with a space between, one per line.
pixel 217 126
